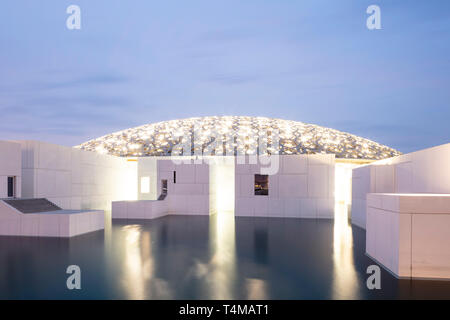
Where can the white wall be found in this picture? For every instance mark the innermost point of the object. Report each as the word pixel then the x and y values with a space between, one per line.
pixel 361 186
pixel 424 171
pixel 10 166
pixel 222 185
pixel 190 194
pixel 76 179
pixel 303 187
pixel 409 233
pixel 147 168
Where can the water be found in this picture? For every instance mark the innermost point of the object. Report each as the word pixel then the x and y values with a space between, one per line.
pixel 200 257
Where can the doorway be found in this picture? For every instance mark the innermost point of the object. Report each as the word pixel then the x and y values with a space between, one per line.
pixel 11 187
pixel 163 194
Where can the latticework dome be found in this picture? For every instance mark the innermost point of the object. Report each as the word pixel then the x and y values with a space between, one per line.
pixel 234 135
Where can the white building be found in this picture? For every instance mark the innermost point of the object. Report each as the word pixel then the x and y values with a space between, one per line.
pixel 244 166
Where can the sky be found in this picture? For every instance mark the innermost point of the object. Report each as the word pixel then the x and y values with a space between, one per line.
pixel 137 62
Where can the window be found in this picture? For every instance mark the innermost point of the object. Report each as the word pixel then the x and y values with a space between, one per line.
pixel 11 187
pixel 174 177
pixel 145 184
pixel 261 185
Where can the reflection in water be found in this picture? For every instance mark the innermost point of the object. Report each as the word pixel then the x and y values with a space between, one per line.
pixel 261 246
pixel 345 284
pixel 139 278
pixel 222 266
pixel 201 257
pixel 256 289
pixel 133 273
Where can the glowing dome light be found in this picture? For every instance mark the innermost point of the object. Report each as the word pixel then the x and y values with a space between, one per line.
pixel 241 134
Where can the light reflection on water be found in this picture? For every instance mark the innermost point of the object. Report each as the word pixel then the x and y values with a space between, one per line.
pixel 138 279
pixel 345 284
pixel 201 257
pixel 222 264
pixel 133 278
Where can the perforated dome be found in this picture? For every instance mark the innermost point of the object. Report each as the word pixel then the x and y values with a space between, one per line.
pixel 236 135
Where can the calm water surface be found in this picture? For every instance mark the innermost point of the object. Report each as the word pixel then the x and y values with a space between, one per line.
pixel 218 257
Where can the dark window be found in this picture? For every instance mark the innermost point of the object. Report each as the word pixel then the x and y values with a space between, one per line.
pixel 10 187
pixel 261 185
pixel 174 177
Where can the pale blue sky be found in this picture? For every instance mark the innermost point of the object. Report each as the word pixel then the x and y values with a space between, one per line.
pixel 136 62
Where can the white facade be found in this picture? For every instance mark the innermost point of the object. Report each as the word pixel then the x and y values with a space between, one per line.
pixel 61 223
pixel 190 193
pixel 139 209
pixel 425 171
pixel 76 179
pixel 409 233
pixel 10 167
pixel 302 187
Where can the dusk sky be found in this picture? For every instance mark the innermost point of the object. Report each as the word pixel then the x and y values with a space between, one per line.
pixel 137 62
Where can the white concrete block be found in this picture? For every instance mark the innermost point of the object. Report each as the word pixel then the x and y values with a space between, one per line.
pixel 185 173
pixel 48 225
pixel 308 208
pixel 48 155
pixel 29 225
pixel 404 177
pixel 384 179
pixel 276 208
pixel 374 200
pixel 167 165
pixel 274 186
pixel 63 184
pixel 403 246
pixel 96 220
pixel 187 189
pixel 10 159
pixel 320 159
pixel 410 244
pixel 292 186
pixel 318 181
pixel 82 223
pixel 247 185
pixel 260 206
pixel 45 183
pixel 241 169
pixel 294 164
pixel 178 204
pixel 370 232
pixel 292 208
pixel 358 213
pixel 119 210
pixel 198 205
pixel 135 209
pixel 244 207
pixel 325 208
pixel 424 203
pixel 431 245
pixel 202 173
pixel 9 227
pixel 67 225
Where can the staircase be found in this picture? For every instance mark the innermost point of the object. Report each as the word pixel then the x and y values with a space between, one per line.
pixel 32 205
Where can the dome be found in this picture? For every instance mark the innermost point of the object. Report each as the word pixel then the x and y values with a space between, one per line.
pixel 235 135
